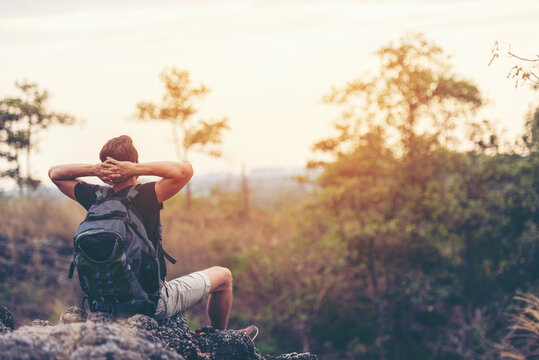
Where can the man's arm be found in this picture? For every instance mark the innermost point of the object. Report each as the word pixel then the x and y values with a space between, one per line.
pixel 174 175
pixel 65 177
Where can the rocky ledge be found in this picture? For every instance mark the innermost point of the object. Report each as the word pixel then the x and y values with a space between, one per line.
pixel 99 336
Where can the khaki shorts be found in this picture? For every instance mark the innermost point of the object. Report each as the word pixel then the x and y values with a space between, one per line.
pixel 182 293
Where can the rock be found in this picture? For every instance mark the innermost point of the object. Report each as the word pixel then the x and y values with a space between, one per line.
pixel 40 265
pixel 143 322
pixel 21 262
pixel 23 348
pixel 113 340
pixel 88 340
pixel 100 336
pixel 100 317
pixel 6 267
pixel 6 319
pixel 293 356
pixel 72 315
pixel 38 322
pixel 4 329
pixel 226 344
pixel 175 332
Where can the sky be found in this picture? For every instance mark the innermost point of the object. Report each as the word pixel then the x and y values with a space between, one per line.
pixel 267 63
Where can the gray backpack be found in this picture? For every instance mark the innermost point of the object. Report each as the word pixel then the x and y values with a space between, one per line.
pixel 117 264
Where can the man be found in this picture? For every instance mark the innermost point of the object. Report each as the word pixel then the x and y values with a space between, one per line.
pixel 120 168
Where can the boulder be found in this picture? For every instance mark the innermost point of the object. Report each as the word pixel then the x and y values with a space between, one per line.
pixel 85 340
pixel 100 336
pixel 6 321
pixel 72 315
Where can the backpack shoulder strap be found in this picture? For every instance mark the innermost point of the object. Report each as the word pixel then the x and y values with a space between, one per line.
pixel 168 256
pixel 101 193
pixel 132 193
pixel 160 244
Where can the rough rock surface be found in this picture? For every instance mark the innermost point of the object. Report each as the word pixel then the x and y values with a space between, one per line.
pixel 292 356
pixel 99 336
pixel 38 322
pixel 6 321
pixel 86 340
pixel 225 344
pixel 36 267
pixel 72 315
pixel 18 263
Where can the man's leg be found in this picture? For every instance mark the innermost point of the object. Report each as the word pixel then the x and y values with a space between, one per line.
pixel 220 298
pixel 182 293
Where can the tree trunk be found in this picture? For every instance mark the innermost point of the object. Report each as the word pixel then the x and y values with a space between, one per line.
pixel 178 146
pixel 305 345
pixel 18 177
pixel 371 266
pixel 245 193
pixel 181 155
pixel 469 267
pixel 188 188
pixel 28 176
pixel 188 196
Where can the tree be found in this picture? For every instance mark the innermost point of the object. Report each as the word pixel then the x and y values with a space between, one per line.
pixel 531 134
pixel 12 141
pixel 21 119
pixel 526 70
pixel 415 93
pixel 177 108
pixel 387 183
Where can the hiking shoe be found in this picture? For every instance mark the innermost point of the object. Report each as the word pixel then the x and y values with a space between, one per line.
pixel 251 331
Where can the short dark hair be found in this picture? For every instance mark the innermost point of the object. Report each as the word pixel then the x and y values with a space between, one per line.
pixel 119 148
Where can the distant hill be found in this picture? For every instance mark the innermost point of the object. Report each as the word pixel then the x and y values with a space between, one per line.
pixel 264 183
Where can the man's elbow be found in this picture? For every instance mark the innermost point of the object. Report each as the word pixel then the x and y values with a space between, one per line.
pixel 182 172
pixel 186 170
pixel 52 173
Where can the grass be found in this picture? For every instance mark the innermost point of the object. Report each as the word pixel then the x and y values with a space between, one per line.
pixel 522 341
pixel 39 215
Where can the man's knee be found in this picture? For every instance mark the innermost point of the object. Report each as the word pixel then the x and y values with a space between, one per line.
pixel 227 274
pixel 220 278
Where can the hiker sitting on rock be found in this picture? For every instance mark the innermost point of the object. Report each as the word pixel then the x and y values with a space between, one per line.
pixel 118 247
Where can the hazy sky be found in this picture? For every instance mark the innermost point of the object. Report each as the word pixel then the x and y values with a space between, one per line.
pixel 268 63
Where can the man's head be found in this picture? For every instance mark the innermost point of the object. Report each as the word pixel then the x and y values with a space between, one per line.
pixel 119 148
